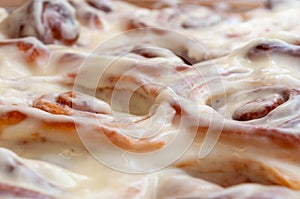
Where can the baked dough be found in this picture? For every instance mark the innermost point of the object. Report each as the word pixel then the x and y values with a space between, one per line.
pixel 167 100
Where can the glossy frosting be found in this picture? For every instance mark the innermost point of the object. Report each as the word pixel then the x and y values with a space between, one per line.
pixel 104 99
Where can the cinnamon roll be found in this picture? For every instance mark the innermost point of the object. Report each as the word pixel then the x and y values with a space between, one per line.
pixel 123 99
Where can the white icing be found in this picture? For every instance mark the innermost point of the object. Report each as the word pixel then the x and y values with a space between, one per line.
pixel 169 104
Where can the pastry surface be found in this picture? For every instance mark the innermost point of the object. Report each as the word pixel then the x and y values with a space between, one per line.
pixel 152 99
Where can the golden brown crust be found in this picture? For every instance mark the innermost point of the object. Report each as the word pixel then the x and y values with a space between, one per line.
pixel 64 104
pixel 11 118
pixel 51 108
pixel 32 50
pixel 132 145
pixel 237 170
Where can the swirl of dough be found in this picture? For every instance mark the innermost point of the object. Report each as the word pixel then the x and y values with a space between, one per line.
pixel 49 21
pixel 81 105
pixel 258 108
pixel 261 106
pixel 88 15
